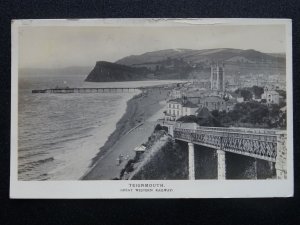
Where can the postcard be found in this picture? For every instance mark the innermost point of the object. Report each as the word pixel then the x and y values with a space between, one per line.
pixel 151 108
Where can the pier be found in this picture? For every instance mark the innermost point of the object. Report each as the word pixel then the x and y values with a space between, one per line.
pixel 86 90
pixel 67 90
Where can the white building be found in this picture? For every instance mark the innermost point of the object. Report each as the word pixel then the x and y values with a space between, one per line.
pixel 240 99
pixel 271 97
pixel 177 108
pixel 174 108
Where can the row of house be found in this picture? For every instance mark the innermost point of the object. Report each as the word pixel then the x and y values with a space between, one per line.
pixel 179 107
pixel 185 103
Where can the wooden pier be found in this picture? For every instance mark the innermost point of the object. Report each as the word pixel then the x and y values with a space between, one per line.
pixel 85 90
pixel 103 90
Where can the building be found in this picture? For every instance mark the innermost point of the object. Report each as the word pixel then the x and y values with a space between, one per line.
pixel 139 150
pixel 271 97
pixel 174 108
pixel 213 103
pixel 236 96
pixel 195 97
pixel 177 108
pixel 230 104
pixel 189 108
pixel 202 83
pixel 176 93
pixel 217 77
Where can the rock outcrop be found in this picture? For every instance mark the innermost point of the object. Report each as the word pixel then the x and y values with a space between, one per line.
pixel 110 72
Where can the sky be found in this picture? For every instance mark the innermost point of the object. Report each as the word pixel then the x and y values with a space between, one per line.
pixel 58 47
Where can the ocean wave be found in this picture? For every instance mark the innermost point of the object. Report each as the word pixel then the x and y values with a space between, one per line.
pixel 31 155
pixel 52 145
pixel 50 159
pixel 28 166
pixel 62 128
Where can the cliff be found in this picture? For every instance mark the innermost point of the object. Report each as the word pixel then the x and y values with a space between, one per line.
pixel 110 72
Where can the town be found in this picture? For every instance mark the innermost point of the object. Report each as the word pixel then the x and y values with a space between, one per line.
pixel 226 114
pixel 255 101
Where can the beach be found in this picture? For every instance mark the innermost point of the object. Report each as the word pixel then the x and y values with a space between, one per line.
pixel 133 129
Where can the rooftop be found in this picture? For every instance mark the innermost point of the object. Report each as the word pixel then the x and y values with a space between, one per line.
pixel 203 112
pixel 189 105
pixel 213 99
pixel 176 100
pixel 140 148
pixel 273 92
pixel 232 101
pixel 184 103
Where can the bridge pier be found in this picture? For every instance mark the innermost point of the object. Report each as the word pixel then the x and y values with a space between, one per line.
pixel 191 161
pixel 254 166
pixel 221 165
pixel 271 165
pixel 280 165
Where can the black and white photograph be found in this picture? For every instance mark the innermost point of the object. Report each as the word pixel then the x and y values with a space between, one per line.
pixel 151 108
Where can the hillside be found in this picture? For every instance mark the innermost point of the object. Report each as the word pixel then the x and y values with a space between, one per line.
pixel 205 56
pixel 186 64
pixel 237 61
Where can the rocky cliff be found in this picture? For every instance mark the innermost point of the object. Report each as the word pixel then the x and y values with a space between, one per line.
pixel 109 72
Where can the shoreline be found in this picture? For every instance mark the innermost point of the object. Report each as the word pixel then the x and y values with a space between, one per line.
pixel 139 109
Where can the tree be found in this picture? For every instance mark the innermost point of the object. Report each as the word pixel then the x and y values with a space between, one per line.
pixel 188 119
pixel 158 127
pixel 215 113
pixel 282 93
pixel 258 91
pixel 247 95
pixel 274 110
pixel 257 114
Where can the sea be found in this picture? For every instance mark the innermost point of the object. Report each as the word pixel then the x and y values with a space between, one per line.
pixel 60 134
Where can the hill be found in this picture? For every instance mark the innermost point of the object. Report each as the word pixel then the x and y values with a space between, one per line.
pixel 205 56
pixel 198 62
pixel 110 72
pixel 186 64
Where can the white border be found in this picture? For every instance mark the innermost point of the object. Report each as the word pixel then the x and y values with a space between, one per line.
pixel 181 189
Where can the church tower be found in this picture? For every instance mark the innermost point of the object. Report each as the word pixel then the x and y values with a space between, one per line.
pixel 217 77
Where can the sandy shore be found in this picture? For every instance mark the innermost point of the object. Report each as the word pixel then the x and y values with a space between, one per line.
pixel 132 130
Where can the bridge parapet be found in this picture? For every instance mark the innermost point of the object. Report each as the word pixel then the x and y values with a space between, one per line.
pixel 258 143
